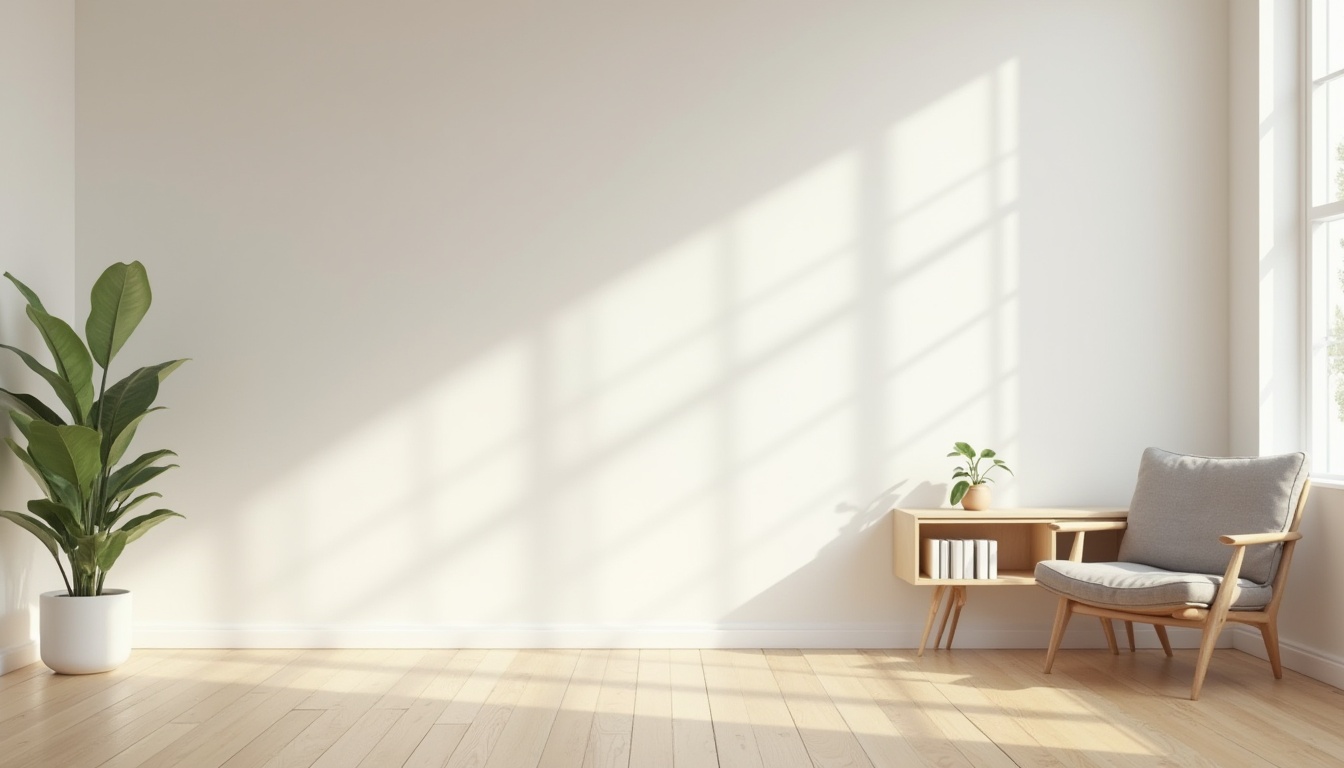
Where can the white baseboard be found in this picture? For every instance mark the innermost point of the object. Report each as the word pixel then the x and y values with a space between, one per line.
pixel 635 636
pixel 18 656
pixel 1322 666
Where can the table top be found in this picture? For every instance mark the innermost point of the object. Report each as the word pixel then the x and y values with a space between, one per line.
pixel 1018 513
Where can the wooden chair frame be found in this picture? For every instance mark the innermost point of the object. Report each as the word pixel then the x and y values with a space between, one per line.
pixel 1209 620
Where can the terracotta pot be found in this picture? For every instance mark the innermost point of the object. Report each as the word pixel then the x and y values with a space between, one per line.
pixel 976 498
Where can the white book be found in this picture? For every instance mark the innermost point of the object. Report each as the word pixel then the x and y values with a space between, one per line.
pixel 944 558
pixel 982 558
pixel 993 558
pixel 957 561
pixel 932 559
pixel 968 558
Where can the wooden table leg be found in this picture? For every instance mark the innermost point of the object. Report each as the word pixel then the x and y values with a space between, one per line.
pixel 947 613
pixel 960 597
pixel 933 613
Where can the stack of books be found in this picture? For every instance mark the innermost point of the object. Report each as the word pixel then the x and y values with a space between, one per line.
pixel 961 558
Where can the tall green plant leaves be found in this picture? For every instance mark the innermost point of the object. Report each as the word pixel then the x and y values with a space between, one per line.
pixel 120 299
pixel 59 385
pixel 41 531
pixel 27 292
pixel 69 452
pixel 125 403
pixel 139 526
pixel 72 358
pixel 29 406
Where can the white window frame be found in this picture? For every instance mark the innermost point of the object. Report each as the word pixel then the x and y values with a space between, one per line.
pixel 1316 261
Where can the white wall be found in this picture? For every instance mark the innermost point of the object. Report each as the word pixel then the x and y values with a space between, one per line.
pixel 37 245
pixel 615 323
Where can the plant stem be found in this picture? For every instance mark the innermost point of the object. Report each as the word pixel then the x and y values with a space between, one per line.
pixel 69 590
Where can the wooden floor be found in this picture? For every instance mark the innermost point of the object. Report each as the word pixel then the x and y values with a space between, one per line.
pixel 666 708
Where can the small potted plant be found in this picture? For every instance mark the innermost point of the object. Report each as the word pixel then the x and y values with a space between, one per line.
pixel 972 488
pixel 88 492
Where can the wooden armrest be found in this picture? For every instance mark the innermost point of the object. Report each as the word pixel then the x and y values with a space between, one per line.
pixel 1082 526
pixel 1244 539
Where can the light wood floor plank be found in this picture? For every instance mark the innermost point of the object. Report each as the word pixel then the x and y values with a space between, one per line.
pixel 438 744
pixel 651 735
pixel 907 712
pixel 488 724
pixel 777 736
pixel 142 750
pixel 419 718
pixel 185 688
pixel 734 738
pixel 568 738
pixel 613 722
pixel 684 709
pixel 248 718
pixel 692 726
pixel 525 734
pixel 900 668
pixel 275 738
pixel 828 740
pixel 881 741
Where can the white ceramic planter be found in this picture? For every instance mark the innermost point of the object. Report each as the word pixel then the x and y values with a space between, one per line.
pixel 84 635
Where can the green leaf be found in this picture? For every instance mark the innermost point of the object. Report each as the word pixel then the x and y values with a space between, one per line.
pixel 965 449
pixel 958 491
pixel 119 301
pixel 30 466
pixel 109 549
pixel 123 404
pixel 959 472
pixel 43 533
pixel 128 478
pixel 59 517
pixel 987 454
pixel 123 440
pixel 68 452
pixel 24 422
pixel 27 292
pixel 139 526
pixel 116 514
pixel 59 385
pixel 30 406
pixel 72 359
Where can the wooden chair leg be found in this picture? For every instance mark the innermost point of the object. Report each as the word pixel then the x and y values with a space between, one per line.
pixel 933 614
pixel 1110 636
pixel 1062 615
pixel 958 597
pixel 1162 638
pixel 1129 630
pixel 1211 631
pixel 1270 633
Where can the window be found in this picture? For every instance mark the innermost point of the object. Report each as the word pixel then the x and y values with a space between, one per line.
pixel 1325 231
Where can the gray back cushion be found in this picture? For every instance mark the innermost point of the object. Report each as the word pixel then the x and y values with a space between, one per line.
pixel 1182 504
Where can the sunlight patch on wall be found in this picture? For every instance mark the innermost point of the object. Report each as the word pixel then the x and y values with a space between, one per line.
pixel 952 264
pixel 692 433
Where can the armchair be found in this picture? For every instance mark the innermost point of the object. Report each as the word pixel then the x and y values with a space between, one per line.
pixel 1208 541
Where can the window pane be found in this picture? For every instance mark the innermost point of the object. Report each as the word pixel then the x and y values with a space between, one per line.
pixel 1327 132
pixel 1327 37
pixel 1329 240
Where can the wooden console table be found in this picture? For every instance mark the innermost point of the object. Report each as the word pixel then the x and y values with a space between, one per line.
pixel 1024 536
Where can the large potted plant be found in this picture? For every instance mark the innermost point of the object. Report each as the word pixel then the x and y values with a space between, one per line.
pixel 88 491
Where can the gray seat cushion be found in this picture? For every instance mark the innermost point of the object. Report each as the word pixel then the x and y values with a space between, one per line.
pixel 1182 504
pixel 1131 585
